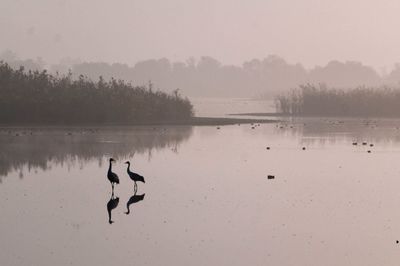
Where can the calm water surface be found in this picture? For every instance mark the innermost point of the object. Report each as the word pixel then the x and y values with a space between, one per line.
pixel 207 199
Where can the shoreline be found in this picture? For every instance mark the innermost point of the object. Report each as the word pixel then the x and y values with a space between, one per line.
pixel 261 114
pixel 315 116
pixel 194 121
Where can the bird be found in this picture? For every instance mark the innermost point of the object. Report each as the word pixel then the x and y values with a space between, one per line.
pixel 134 199
pixel 111 204
pixel 135 177
pixel 112 176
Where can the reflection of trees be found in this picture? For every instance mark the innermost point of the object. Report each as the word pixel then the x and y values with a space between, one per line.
pixel 18 148
pixel 332 130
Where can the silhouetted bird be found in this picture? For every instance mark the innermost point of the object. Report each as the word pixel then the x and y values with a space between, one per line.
pixel 134 199
pixel 135 177
pixel 112 176
pixel 111 205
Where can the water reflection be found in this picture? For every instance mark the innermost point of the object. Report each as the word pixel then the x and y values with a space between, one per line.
pixel 111 205
pixel 43 147
pixel 332 130
pixel 134 199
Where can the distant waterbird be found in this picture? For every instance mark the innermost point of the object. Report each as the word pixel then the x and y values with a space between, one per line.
pixel 135 177
pixel 112 177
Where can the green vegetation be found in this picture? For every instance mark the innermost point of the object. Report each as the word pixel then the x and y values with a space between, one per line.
pixel 312 100
pixel 41 98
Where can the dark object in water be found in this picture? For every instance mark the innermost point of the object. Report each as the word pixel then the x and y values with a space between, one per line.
pixel 112 204
pixel 397 241
pixel 134 199
pixel 304 148
pixel 134 176
pixel 252 127
pixel 355 143
pixel 364 143
pixel 268 148
pixel 218 127
pixel 112 177
pixel 371 145
pixel 369 151
pixel 271 177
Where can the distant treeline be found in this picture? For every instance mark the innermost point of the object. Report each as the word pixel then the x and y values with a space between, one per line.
pixel 207 77
pixel 310 100
pixel 37 97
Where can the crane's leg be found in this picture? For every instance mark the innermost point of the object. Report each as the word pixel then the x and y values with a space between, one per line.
pixel 135 188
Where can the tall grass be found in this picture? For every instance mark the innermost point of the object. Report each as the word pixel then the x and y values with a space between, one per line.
pixel 39 97
pixel 311 100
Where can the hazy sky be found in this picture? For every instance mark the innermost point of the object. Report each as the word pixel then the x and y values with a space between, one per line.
pixel 307 31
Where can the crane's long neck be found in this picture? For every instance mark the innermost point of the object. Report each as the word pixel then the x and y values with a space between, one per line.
pixel 129 165
pixel 109 168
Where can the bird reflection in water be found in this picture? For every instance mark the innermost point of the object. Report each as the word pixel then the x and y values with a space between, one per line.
pixel 112 204
pixel 134 199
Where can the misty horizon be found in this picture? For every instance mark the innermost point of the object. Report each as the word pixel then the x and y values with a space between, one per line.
pixel 311 32
pixel 208 77
pixel 188 132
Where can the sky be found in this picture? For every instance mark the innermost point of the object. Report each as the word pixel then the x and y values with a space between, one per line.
pixel 311 32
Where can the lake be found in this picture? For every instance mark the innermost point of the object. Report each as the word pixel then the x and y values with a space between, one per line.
pixel 207 199
pixel 222 107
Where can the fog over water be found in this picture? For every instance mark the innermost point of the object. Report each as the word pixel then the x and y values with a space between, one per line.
pixel 103 162
pixel 207 197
